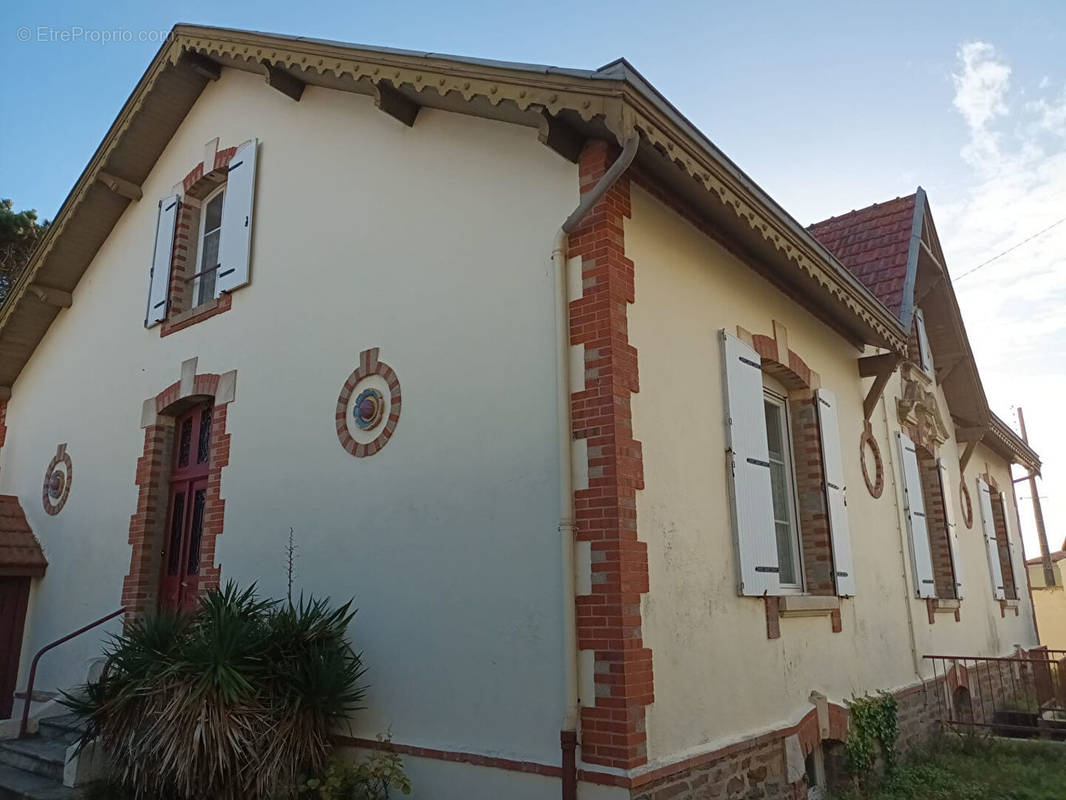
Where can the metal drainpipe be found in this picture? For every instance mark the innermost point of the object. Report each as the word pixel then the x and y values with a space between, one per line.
pixel 567 521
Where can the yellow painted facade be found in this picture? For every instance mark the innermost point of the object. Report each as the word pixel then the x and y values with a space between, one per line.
pixel 709 645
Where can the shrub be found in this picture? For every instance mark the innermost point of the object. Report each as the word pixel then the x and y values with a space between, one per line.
pixel 232 701
pixel 371 779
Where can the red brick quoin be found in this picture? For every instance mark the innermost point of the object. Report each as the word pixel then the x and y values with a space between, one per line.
pixel 609 620
pixel 140 589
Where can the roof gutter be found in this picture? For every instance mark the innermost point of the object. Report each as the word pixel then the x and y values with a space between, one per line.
pixel 567 521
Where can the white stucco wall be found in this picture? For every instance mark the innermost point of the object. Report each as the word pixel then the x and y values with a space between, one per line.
pixel 432 243
pixel 709 646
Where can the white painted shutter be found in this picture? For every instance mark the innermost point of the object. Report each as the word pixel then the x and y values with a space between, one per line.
pixel 235 241
pixel 914 506
pixel 947 497
pixel 988 526
pixel 748 465
pixel 835 492
pixel 1013 535
pixel 924 352
pixel 159 277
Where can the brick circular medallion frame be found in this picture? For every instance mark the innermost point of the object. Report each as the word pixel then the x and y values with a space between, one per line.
pixel 57 480
pixel 967 505
pixel 368 407
pixel 876 482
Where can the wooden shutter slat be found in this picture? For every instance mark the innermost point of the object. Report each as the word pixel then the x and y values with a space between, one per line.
pixel 748 469
pixel 162 254
pixel 948 499
pixel 238 204
pixel 836 492
pixel 988 526
pixel 1013 534
pixel 914 507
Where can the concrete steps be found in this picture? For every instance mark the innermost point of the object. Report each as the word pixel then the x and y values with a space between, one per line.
pixel 32 768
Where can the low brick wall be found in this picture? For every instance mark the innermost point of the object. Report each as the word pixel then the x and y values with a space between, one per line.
pixel 758 769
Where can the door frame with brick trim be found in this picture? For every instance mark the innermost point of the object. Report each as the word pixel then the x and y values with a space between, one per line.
pixel 141 586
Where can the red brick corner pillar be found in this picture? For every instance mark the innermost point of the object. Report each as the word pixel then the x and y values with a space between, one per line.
pixel 609 619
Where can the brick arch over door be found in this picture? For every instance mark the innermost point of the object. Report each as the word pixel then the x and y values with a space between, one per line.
pixel 140 589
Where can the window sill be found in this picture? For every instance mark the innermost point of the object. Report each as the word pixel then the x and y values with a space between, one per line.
pixel 211 308
pixel 807 605
pixel 946 606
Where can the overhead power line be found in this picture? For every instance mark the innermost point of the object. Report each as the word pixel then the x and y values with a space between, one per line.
pixel 1011 249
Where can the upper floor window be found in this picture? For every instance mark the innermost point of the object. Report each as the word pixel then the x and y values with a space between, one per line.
pixel 783 485
pixel 925 353
pixel 791 527
pixel 929 507
pixel 203 239
pixel 999 545
pixel 207 246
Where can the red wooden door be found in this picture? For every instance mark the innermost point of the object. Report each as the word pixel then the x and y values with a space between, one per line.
pixel 14 592
pixel 180 579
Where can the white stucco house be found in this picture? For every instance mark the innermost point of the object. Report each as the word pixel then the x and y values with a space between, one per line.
pixel 634 479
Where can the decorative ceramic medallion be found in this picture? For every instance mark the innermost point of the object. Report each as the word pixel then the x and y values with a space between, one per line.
pixel 967 505
pixel 873 471
pixel 57 480
pixel 368 407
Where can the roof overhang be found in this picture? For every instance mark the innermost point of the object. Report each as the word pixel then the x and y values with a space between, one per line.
pixel 566 106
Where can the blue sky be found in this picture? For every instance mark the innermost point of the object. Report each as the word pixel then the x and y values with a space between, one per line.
pixel 828 105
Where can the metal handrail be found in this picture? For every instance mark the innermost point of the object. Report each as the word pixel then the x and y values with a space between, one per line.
pixel 45 649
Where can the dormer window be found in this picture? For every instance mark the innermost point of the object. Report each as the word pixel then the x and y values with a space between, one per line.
pixel 925 354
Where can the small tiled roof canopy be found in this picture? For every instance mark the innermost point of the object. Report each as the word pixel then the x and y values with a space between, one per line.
pixel 874 243
pixel 1057 556
pixel 20 552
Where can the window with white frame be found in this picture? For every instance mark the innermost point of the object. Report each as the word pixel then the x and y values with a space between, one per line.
pixel 783 485
pixel 207 246
pixel 771 508
pixel 219 208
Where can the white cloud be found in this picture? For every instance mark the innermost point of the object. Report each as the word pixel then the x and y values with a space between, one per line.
pixel 1015 308
pixel 981 87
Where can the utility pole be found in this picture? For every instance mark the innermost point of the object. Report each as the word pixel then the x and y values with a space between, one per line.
pixel 1038 515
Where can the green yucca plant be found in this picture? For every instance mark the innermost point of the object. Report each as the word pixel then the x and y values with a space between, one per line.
pixel 232 701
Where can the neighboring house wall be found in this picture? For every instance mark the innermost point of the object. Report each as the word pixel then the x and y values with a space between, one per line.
pixel 1050 605
pixel 710 646
pixel 366 234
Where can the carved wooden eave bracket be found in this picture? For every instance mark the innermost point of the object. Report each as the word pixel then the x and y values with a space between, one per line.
pixel 50 296
pixel 971 436
pixel 624 109
pixel 918 409
pixel 278 78
pixel 880 368
pixel 119 186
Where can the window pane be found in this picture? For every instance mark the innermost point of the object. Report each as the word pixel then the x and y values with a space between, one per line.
pixel 196 530
pixel 785 559
pixel 176 523
pixel 780 465
pixel 185 442
pixel 773 430
pixel 213 213
pixel 208 261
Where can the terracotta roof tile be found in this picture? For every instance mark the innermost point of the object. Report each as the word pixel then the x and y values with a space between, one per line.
pixel 873 243
pixel 20 552
pixel 1056 556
